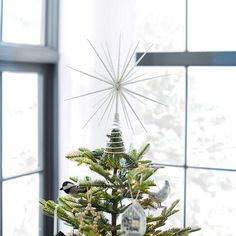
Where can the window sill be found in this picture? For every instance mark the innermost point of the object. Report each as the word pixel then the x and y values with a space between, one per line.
pixel 28 53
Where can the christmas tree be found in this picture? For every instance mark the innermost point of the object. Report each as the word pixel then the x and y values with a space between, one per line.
pixel 117 202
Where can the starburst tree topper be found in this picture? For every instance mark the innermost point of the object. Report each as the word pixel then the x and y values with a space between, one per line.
pixel 118 77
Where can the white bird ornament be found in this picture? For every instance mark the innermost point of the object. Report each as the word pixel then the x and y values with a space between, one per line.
pixel 161 195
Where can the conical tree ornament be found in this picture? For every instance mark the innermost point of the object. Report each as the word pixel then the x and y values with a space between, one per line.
pixel 115 149
pixel 115 145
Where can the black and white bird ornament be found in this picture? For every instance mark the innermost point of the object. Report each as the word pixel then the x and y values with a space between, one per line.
pixel 161 195
pixel 72 189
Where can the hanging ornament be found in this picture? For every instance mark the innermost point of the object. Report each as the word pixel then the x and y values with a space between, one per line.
pixel 133 220
pixel 161 195
pixel 91 211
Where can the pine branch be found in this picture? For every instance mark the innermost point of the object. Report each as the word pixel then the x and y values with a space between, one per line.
pixel 177 232
pixel 48 208
pixel 67 205
pixel 83 160
pixel 155 223
pixel 143 151
pixel 133 152
pixel 83 155
pixel 141 171
pixel 148 203
pixel 101 171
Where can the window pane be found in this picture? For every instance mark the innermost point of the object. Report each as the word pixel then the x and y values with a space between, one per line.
pixel 165 125
pixel 20 122
pixel 23 21
pixel 162 23
pixel 175 176
pixel 212 115
pixel 211 202
pixel 211 25
pixel 21 206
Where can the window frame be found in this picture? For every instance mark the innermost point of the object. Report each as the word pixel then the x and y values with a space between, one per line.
pixel 186 59
pixel 42 59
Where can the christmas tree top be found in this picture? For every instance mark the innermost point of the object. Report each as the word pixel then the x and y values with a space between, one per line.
pixel 117 202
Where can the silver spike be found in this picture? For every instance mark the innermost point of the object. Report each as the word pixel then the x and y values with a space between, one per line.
pixel 87 94
pixel 126 113
pixel 128 63
pixel 91 117
pixel 118 63
pixel 109 60
pixel 134 112
pixel 132 81
pixel 140 95
pixel 108 104
pixel 137 62
pixel 102 99
pixel 94 49
pixel 90 75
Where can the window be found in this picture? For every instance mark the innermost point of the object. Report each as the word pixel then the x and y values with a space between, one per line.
pixel 28 120
pixel 195 137
pixel 21 24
